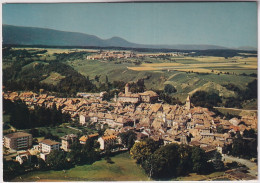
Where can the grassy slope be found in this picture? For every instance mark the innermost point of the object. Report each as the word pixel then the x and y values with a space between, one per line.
pixel 123 169
pixel 184 82
pixel 54 78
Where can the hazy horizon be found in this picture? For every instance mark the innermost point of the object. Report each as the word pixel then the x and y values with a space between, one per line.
pixel 220 23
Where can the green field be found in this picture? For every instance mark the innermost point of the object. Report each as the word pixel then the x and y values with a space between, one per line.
pixel 123 169
pixel 58 130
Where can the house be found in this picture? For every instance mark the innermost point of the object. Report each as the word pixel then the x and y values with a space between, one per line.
pixel 128 97
pixel 107 141
pixel 18 140
pixel 67 140
pixel 85 138
pixel 23 157
pixel 149 97
pixel 83 119
pixel 47 145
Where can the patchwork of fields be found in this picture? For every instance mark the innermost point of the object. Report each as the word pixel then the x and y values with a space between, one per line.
pixel 187 74
pixel 212 65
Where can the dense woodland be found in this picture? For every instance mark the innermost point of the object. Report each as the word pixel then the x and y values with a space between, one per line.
pixel 165 162
pixel 23 118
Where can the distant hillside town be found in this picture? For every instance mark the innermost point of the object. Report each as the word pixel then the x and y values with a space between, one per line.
pixel 127 54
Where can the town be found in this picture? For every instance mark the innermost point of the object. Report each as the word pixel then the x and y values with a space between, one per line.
pixel 142 113
pixel 106 55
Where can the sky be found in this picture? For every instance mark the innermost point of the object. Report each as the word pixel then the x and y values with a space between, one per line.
pixel 229 24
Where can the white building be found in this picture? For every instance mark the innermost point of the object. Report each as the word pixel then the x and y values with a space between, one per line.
pixel 83 119
pixel 105 141
pixel 24 156
pixel 47 145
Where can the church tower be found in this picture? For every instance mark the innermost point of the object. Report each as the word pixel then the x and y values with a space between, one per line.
pixel 115 98
pixel 188 103
pixel 126 88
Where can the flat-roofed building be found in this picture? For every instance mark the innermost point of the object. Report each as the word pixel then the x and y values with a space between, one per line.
pixel 18 140
pixel 47 145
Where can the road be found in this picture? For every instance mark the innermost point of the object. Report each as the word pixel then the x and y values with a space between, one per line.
pixel 251 165
pixel 235 109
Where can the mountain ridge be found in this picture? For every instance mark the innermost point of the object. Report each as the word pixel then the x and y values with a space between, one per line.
pixel 21 35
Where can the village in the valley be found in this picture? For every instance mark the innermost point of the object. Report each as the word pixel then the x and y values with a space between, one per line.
pixel 142 113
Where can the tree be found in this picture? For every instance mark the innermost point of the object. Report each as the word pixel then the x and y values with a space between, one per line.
pixel 238 146
pixel 143 149
pixel 199 160
pixel 97 78
pixel 252 90
pixel 249 133
pixel 185 165
pixel 56 160
pixel 41 164
pixel 11 169
pixel 107 79
pixel 169 89
pixel 220 129
pixel 165 161
pixel 217 161
pixel 34 160
pixel 205 99
pixel 128 138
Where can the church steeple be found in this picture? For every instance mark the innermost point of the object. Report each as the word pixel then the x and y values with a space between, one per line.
pixel 126 88
pixel 188 103
pixel 115 97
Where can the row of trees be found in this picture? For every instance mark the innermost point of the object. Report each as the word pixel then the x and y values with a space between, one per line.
pixel 23 118
pixel 165 162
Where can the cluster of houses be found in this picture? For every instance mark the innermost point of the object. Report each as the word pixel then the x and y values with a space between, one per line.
pixel 141 113
pixel 106 55
pixel 21 142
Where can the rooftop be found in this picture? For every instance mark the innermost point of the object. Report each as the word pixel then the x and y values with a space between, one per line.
pixel 49 142
pixel 17 135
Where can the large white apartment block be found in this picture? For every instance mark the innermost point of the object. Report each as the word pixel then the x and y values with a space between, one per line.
pixel 18 140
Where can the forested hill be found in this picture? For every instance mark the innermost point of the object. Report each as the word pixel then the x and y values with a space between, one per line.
pixel 28 74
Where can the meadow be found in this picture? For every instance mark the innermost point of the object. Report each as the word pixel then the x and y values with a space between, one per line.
pixel 123 168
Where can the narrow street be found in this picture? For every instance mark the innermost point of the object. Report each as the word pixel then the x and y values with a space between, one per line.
pixel 253 170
